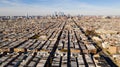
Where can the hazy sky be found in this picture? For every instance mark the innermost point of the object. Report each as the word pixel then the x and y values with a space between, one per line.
pixel 74 7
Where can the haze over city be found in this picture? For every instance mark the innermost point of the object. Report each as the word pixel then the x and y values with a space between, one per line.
pixel 59 33
pixel 73 7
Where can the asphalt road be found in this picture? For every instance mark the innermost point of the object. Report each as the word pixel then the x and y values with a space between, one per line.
pixel 109 61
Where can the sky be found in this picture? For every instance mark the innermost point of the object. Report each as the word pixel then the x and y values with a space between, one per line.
pixel 46 7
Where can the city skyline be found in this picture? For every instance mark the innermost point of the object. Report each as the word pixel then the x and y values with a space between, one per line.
pixel 46 7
